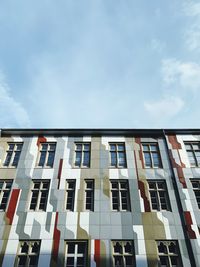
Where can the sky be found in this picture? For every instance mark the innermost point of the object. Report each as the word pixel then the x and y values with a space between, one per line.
pixel 99 64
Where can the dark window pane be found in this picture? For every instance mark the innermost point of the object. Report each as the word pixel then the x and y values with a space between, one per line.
pixel 50 159
pixel 86 159
pixel 78 159
pixel 121 156
pixel 42 158
pixel 16 158
pixel 8 158
pixel 113 159
pixel 147 159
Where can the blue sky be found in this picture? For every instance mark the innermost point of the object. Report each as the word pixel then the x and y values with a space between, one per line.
pixel 100 63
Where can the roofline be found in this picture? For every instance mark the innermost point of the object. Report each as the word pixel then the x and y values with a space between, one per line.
pixel 4 132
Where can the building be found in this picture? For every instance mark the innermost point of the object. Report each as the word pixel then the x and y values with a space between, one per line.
pixel 100 197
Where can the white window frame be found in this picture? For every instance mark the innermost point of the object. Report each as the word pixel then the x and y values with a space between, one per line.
pixel 75 255
pixel 193 152
pixel 30 243
pixel 3 190
pixel 92 193
pixel 117 151
pixel 119 191
pixel 46 155
pixel 70 190
pixel 123 254
pixel 13 151
pixel 40 190
pixel 196 189
pixel 82 144
pixel 169 254
pixel 150 152
pixel 157 191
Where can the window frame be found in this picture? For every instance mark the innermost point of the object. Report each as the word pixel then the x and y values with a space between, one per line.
pixel 117 151
pixel 123 254
pixel 150 152
pixel 192 143
pixel 81 165
pixel 66 194
pixel 5 181
pixel 29 242
pixel 76 242
pixel 169 255
pixel 13 151
pixel 92 190
pixel 158 197
pixel 119 189
pixel 46 155
pixel 39 196
pixel 194 180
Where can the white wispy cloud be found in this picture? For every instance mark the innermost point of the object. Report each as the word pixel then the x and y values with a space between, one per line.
pixel 12 112
pixel 185 74
pixel 165 108
pixel 192 32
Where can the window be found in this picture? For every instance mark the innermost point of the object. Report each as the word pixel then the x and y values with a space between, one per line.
pixel 196 189
pixel 193 151
pixel 5 188
pixel 123 253
pixel 46 154
pixel 82 155
pixel 89 195
pixel 12 154
pixel 28 254
pixel 168 253
pixel 120 195
pixel 159 195
pixel 39 195
pixel 151 155
pixel 70 185
pixel 76 254
pixel 118 155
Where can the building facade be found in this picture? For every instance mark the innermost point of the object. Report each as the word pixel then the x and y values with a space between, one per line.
pixel 100 197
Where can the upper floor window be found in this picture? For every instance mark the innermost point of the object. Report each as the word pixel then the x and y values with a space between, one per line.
pixel 89 194
pixel 13 154
pixel 123 253
pixel 46 154
pixel 39 195
pixel 120 195
pixel 70 198
pixel 169 254
pixel 193 151
pixel 28 253
pixel 76 254
pixel 159 195
pixel 5 189
pixel 196 189
pixel 82 155
pixel 151 155
pixel 118 155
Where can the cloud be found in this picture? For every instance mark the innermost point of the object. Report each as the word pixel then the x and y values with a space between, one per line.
pixel 165 108
pixel 157 45
pixel 192 33
pixel 12 112
pixel 184 74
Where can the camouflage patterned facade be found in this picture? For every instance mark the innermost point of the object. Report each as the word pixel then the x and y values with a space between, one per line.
pixel 102 227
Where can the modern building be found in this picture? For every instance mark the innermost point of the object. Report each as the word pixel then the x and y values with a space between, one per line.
pixel 100 197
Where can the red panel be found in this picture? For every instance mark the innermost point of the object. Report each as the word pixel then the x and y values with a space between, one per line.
pixel 97 252
pixel 12 205
pixel 41 139
pixel 146 201
pixel 60 171
pixel 174 142
pixel 138 141
pixel 56 239
pixel 188 220
pixel 179 170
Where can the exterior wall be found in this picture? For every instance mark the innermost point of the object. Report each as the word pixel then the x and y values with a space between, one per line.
pixel 102 225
